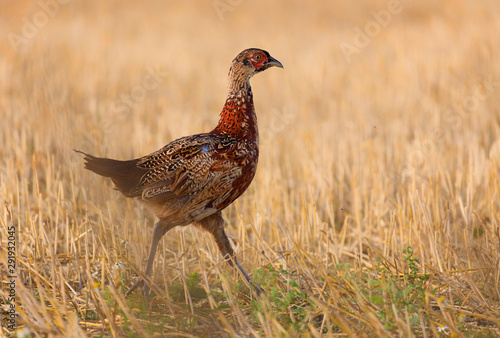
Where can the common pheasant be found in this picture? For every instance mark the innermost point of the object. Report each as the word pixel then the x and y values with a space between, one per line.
pixel 192 179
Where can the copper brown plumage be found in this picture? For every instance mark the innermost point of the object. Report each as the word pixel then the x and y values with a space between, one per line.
pixel 190 180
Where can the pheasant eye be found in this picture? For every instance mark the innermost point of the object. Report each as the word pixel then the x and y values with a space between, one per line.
pixel 256 57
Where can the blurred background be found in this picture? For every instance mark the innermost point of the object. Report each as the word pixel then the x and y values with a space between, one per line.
pixel 381 131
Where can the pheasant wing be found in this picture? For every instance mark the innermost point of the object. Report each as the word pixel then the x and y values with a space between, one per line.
pixel 183 168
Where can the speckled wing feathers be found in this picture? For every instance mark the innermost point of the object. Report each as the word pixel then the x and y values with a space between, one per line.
pixel 169 169
pixel 205 164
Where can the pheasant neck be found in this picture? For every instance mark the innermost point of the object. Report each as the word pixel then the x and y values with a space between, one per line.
pixel 238 118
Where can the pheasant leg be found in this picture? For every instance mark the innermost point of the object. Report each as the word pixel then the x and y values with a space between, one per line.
pixel 159 230
pixel 215 225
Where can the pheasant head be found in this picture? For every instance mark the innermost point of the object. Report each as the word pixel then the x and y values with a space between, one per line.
pixel 248 63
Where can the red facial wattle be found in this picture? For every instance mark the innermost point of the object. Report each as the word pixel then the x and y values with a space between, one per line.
pixel 258 60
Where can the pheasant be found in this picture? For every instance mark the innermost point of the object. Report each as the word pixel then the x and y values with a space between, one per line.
pixel 192 179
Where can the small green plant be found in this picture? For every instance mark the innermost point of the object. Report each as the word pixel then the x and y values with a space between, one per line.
pixel 385 291
pixel 196 292
pixel 288 303
pixel 414 284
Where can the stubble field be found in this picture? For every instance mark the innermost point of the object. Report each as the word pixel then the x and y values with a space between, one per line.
pixel 375 208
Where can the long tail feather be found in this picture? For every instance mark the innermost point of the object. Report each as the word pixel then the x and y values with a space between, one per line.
pixel 124 174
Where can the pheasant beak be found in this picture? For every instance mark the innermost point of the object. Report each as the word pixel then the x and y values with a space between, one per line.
pixel 272 62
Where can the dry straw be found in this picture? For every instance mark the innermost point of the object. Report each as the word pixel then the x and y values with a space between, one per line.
pixel 375 209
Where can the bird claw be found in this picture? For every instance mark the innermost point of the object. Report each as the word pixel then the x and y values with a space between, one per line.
pixel 259 292
pixel 138 284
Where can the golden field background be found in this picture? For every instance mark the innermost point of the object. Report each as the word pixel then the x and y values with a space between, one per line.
pixel 396 144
